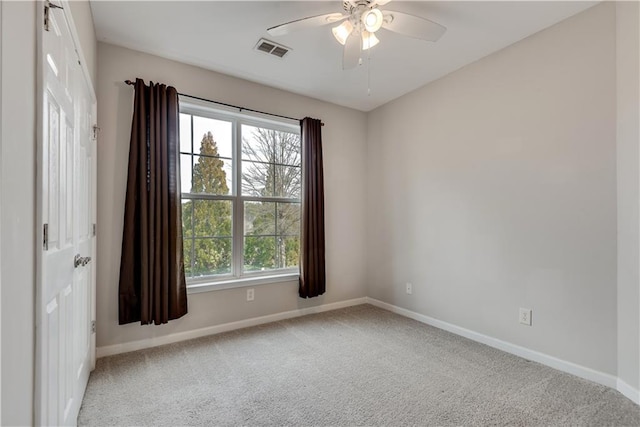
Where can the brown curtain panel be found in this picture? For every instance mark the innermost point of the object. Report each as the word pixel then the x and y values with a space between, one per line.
pixel 152 284
pixel 312 270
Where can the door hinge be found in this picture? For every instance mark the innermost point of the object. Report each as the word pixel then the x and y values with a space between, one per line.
pixel 96 131
pixel 47 8
pixel 45 237
pixel 93 326
pixel 94 230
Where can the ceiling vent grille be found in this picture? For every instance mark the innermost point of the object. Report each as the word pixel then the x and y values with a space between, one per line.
pixel 272 48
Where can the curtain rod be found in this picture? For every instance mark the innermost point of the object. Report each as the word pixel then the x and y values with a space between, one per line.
pixel 130 83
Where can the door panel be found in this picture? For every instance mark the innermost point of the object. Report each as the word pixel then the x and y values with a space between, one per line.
pixel 66 287
pixel 51 335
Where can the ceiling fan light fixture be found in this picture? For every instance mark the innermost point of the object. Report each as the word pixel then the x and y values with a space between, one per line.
pixel 342 32
pixel 369 40
pixel 372 20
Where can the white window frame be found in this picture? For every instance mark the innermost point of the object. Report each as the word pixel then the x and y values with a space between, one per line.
pixel 237 278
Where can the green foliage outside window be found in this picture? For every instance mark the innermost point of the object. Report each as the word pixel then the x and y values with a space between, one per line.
pixel 208 222
pixel 270 169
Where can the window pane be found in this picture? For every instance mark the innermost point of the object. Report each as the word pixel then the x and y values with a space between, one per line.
pixel 187 218
pixel 185 173
pixel 257 179
pixel 288 149
pixel 287 181
pixel 212 218
pixel 270 146
pixel 259 218
pixel 259 253
pixel 185 133
pixel 270 180
pixel 257 144
pixel 290 251
pixel 187 244
pixel 212 256
pixel 211 175
pixel 288 219
pixel 212 137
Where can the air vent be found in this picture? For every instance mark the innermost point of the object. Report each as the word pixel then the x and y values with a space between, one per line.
pixel 272 48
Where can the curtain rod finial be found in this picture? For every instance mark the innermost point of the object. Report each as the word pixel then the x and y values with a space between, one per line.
pixel 129 82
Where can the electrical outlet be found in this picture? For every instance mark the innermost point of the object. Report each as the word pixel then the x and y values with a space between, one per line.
pixel 250 294
pixel 525 316
pixel 409 288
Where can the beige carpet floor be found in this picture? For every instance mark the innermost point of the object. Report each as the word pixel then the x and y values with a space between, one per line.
pixel 355 366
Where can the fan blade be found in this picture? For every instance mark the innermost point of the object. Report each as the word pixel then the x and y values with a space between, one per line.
pixel 380 2
pixel 351 53
pixel 412 26
pixel 300 24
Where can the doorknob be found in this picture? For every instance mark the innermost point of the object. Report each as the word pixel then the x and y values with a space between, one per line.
pixel 81 261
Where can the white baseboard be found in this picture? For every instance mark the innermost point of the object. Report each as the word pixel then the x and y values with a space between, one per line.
pixel 110 350
pixel 553 362
pixel 631 393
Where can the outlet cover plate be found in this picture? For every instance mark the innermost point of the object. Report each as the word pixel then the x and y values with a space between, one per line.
pixel 250 294
pixel 525 316
pixel 409 288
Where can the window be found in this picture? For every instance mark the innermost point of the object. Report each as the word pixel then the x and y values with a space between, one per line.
pixel 240 179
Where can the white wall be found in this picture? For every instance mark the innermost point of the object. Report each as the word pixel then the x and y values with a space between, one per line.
pixel 344 147
pixel 17 210
pixel 494 188
pixel 628 138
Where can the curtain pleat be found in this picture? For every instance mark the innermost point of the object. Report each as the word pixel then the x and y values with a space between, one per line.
pixel 152 284
pixel 312 250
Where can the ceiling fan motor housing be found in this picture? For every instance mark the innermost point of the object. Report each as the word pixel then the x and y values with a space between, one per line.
pixel 352 6
pixel 358 11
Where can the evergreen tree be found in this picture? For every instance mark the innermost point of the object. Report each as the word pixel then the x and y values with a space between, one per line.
pixel 211 219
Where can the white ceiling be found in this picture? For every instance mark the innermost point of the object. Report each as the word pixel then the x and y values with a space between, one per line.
pixel 221 35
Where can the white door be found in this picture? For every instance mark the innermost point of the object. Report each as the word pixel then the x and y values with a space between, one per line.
pixel 66 277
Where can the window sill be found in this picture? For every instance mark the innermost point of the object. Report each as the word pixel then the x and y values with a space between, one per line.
pixel 199 287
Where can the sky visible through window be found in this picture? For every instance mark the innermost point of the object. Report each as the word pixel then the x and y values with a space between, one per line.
pixel 222 133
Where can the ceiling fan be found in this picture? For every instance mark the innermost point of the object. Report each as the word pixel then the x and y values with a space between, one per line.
pixel 360 22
